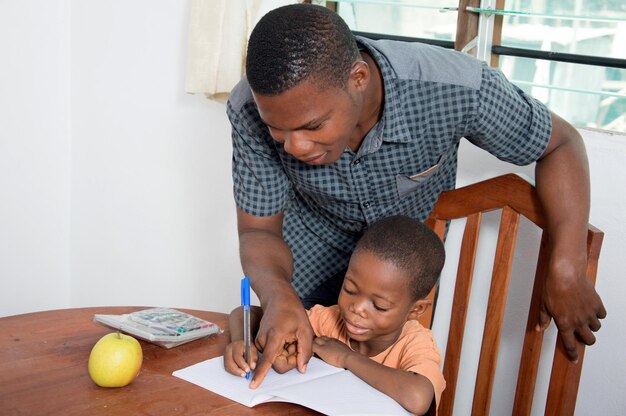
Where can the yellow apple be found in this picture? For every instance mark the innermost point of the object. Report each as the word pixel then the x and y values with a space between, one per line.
pixel 115 360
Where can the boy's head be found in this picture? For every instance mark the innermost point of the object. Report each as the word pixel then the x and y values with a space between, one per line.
pixel 410 246
pixel 297 42
pixel 393 267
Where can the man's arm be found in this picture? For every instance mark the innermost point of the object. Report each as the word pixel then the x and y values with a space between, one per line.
pixel 562 178
pixel 267 260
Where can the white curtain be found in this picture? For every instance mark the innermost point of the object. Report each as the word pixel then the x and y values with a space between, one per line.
pixel 217 42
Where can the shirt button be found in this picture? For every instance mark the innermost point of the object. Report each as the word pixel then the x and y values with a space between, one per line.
pixel 366 204
pixel 356 162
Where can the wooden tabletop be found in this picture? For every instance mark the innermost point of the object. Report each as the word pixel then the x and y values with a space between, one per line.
pixel 43 371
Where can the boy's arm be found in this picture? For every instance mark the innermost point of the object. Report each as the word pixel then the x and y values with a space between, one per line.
pixel 412 391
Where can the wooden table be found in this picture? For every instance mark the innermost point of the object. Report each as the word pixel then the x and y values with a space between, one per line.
pixel 43 371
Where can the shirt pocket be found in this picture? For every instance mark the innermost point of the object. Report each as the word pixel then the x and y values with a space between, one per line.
pixel 408 184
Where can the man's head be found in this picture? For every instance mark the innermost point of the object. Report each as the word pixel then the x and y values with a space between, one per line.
pixel 297 42
pixel 314 91
pixel 393 267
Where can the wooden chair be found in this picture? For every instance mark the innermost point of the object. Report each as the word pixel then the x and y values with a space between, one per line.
pixel 516 197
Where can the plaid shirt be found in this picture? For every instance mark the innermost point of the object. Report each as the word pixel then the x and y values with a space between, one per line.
pixel 433 98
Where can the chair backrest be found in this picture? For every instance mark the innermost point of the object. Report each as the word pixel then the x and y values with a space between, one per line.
pixel 516 197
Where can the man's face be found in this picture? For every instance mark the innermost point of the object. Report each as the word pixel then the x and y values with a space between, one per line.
pixel 314 126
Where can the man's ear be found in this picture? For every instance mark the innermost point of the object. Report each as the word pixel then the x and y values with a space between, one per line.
pixel 419 307
pixel 360 75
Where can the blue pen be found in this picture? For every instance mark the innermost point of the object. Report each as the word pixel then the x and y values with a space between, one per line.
pixel 245 301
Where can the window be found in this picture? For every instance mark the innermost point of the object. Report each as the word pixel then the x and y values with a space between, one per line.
pixel 569 54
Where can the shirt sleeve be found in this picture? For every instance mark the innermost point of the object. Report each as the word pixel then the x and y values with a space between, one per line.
pixel 508 123
pixel 325 321
pixel 422 356
pixel 260 185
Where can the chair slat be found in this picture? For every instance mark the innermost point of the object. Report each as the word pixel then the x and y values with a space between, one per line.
pixel 565 375
pixel 533 340
pixel 426 319
pixel 465 272
pixel 496 306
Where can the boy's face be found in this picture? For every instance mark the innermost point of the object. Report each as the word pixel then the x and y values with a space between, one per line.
pixel 314 126
pixel 375 301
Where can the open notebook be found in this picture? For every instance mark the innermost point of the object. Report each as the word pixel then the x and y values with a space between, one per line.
pixel 324 388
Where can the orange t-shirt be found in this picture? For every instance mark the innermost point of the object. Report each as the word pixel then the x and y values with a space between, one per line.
pixel 415 350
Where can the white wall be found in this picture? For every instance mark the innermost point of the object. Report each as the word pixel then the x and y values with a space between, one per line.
pixel 152 210
pixel 603 382
pixel 115 185
pixel 35 149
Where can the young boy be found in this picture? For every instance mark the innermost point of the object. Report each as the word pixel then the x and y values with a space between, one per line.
pixel 373 331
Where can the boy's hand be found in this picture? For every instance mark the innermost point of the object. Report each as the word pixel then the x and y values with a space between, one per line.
pixel 234 358
pixel 287 358
pixel 332 351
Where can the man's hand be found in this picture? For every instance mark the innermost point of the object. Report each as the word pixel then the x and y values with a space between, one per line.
pixel 284 327
pixel 570 298
pixel 284 333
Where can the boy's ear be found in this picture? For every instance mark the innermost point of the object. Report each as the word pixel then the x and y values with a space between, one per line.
pixel 419 307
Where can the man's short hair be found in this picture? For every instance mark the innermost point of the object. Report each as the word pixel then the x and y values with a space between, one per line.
pixel 297 42
pixel 410 246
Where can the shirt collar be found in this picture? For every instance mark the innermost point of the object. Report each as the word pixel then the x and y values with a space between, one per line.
pixel 395 127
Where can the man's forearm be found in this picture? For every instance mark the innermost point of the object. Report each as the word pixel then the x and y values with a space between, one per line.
pixel 562 178
pixel 267 260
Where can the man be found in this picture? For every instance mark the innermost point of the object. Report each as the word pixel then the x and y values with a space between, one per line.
pixel 331 133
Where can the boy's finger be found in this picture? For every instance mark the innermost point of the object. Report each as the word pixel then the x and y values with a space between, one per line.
pixel 291 348
pixel 232 362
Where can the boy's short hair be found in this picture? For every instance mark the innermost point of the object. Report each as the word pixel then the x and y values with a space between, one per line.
pixel 299 41
pixel 410 246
